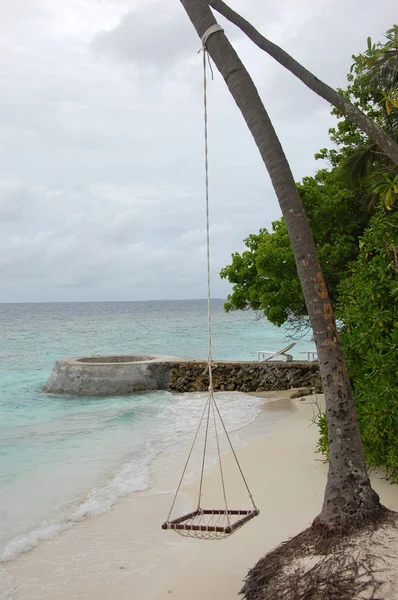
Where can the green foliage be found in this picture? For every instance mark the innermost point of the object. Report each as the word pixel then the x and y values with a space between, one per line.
pixel 388 191
pixel 378 65
pixel 373 87
pixel 339 202
pixel 352 208
pixel 264 276
pixel 368 295
pixel 323 442
pixel 368 307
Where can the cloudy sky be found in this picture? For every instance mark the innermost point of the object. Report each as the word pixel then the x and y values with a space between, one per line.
pixel 101 149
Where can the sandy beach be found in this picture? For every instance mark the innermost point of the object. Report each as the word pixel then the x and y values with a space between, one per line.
pixel 125 554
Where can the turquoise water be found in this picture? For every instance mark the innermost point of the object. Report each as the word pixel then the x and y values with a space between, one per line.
pixel 63 459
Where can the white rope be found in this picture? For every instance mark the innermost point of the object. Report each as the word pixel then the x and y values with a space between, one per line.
pixel 209 358
pixel 188 459
pixel 220 464
pixel 208 33
pixel 212 29
pixel 236 458
pixel 208 403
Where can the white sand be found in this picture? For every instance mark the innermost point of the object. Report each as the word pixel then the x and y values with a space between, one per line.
pixel 125 555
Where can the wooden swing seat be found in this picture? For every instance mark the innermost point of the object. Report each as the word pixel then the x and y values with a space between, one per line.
pixel 210 523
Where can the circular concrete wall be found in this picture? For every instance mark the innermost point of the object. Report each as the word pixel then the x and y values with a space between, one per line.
pixel 109 375
pixel 116 359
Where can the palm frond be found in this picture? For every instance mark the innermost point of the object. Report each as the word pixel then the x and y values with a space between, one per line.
pixel 384 73
pixel 361 161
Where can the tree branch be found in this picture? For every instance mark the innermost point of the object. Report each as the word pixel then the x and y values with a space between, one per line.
pixel 323 90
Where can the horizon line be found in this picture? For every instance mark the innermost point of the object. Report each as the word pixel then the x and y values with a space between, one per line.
pixel 95 301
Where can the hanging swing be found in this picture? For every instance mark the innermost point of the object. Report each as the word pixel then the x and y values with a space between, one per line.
pixel 205 523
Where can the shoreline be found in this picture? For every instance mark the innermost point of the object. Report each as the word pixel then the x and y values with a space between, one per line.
pixel 125 554
pixel 153 503
pixel 152 472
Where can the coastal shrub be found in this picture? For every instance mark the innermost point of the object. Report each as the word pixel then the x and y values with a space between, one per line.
pixel 352 209
pixel 368 308
pixel 323 442
pixel 264 276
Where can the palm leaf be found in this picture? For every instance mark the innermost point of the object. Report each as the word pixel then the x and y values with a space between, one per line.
pixel 362 161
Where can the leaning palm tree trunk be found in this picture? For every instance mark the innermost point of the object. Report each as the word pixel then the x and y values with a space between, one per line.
pixel 348 492
pixel 386 143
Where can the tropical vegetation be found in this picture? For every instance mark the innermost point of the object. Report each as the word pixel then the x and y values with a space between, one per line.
pixel 352 208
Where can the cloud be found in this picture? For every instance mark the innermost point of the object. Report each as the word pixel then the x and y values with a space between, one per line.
pixel 15 201
pixel 154 34
pixel 19 12
pixel 100 242
pixel 101 130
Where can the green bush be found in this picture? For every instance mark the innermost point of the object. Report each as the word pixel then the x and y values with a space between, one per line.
pixel 323 442
pixel 368 309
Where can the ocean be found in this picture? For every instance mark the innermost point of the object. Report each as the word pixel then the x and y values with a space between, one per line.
pixel 64 459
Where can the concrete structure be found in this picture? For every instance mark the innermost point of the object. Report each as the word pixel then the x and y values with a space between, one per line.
pixel 125 374
pixel 110 375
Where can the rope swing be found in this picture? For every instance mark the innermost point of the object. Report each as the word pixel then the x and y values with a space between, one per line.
pixel 221 522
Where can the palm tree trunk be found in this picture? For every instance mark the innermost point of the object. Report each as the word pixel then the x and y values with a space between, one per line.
pixel 323 90
pixel 348 491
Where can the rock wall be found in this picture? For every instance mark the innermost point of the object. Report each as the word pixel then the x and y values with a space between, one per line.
pixel 126 374
pixel 245 377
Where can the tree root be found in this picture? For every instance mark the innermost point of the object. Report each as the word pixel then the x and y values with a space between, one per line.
pixel 327 564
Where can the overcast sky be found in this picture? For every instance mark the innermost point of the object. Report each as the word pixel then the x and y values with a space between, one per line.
pixel 101 140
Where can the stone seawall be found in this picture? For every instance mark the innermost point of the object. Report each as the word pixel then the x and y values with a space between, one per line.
pixel 126 374
pixel 245 376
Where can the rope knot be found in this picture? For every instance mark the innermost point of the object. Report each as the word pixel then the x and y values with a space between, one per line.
pixel 212 29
